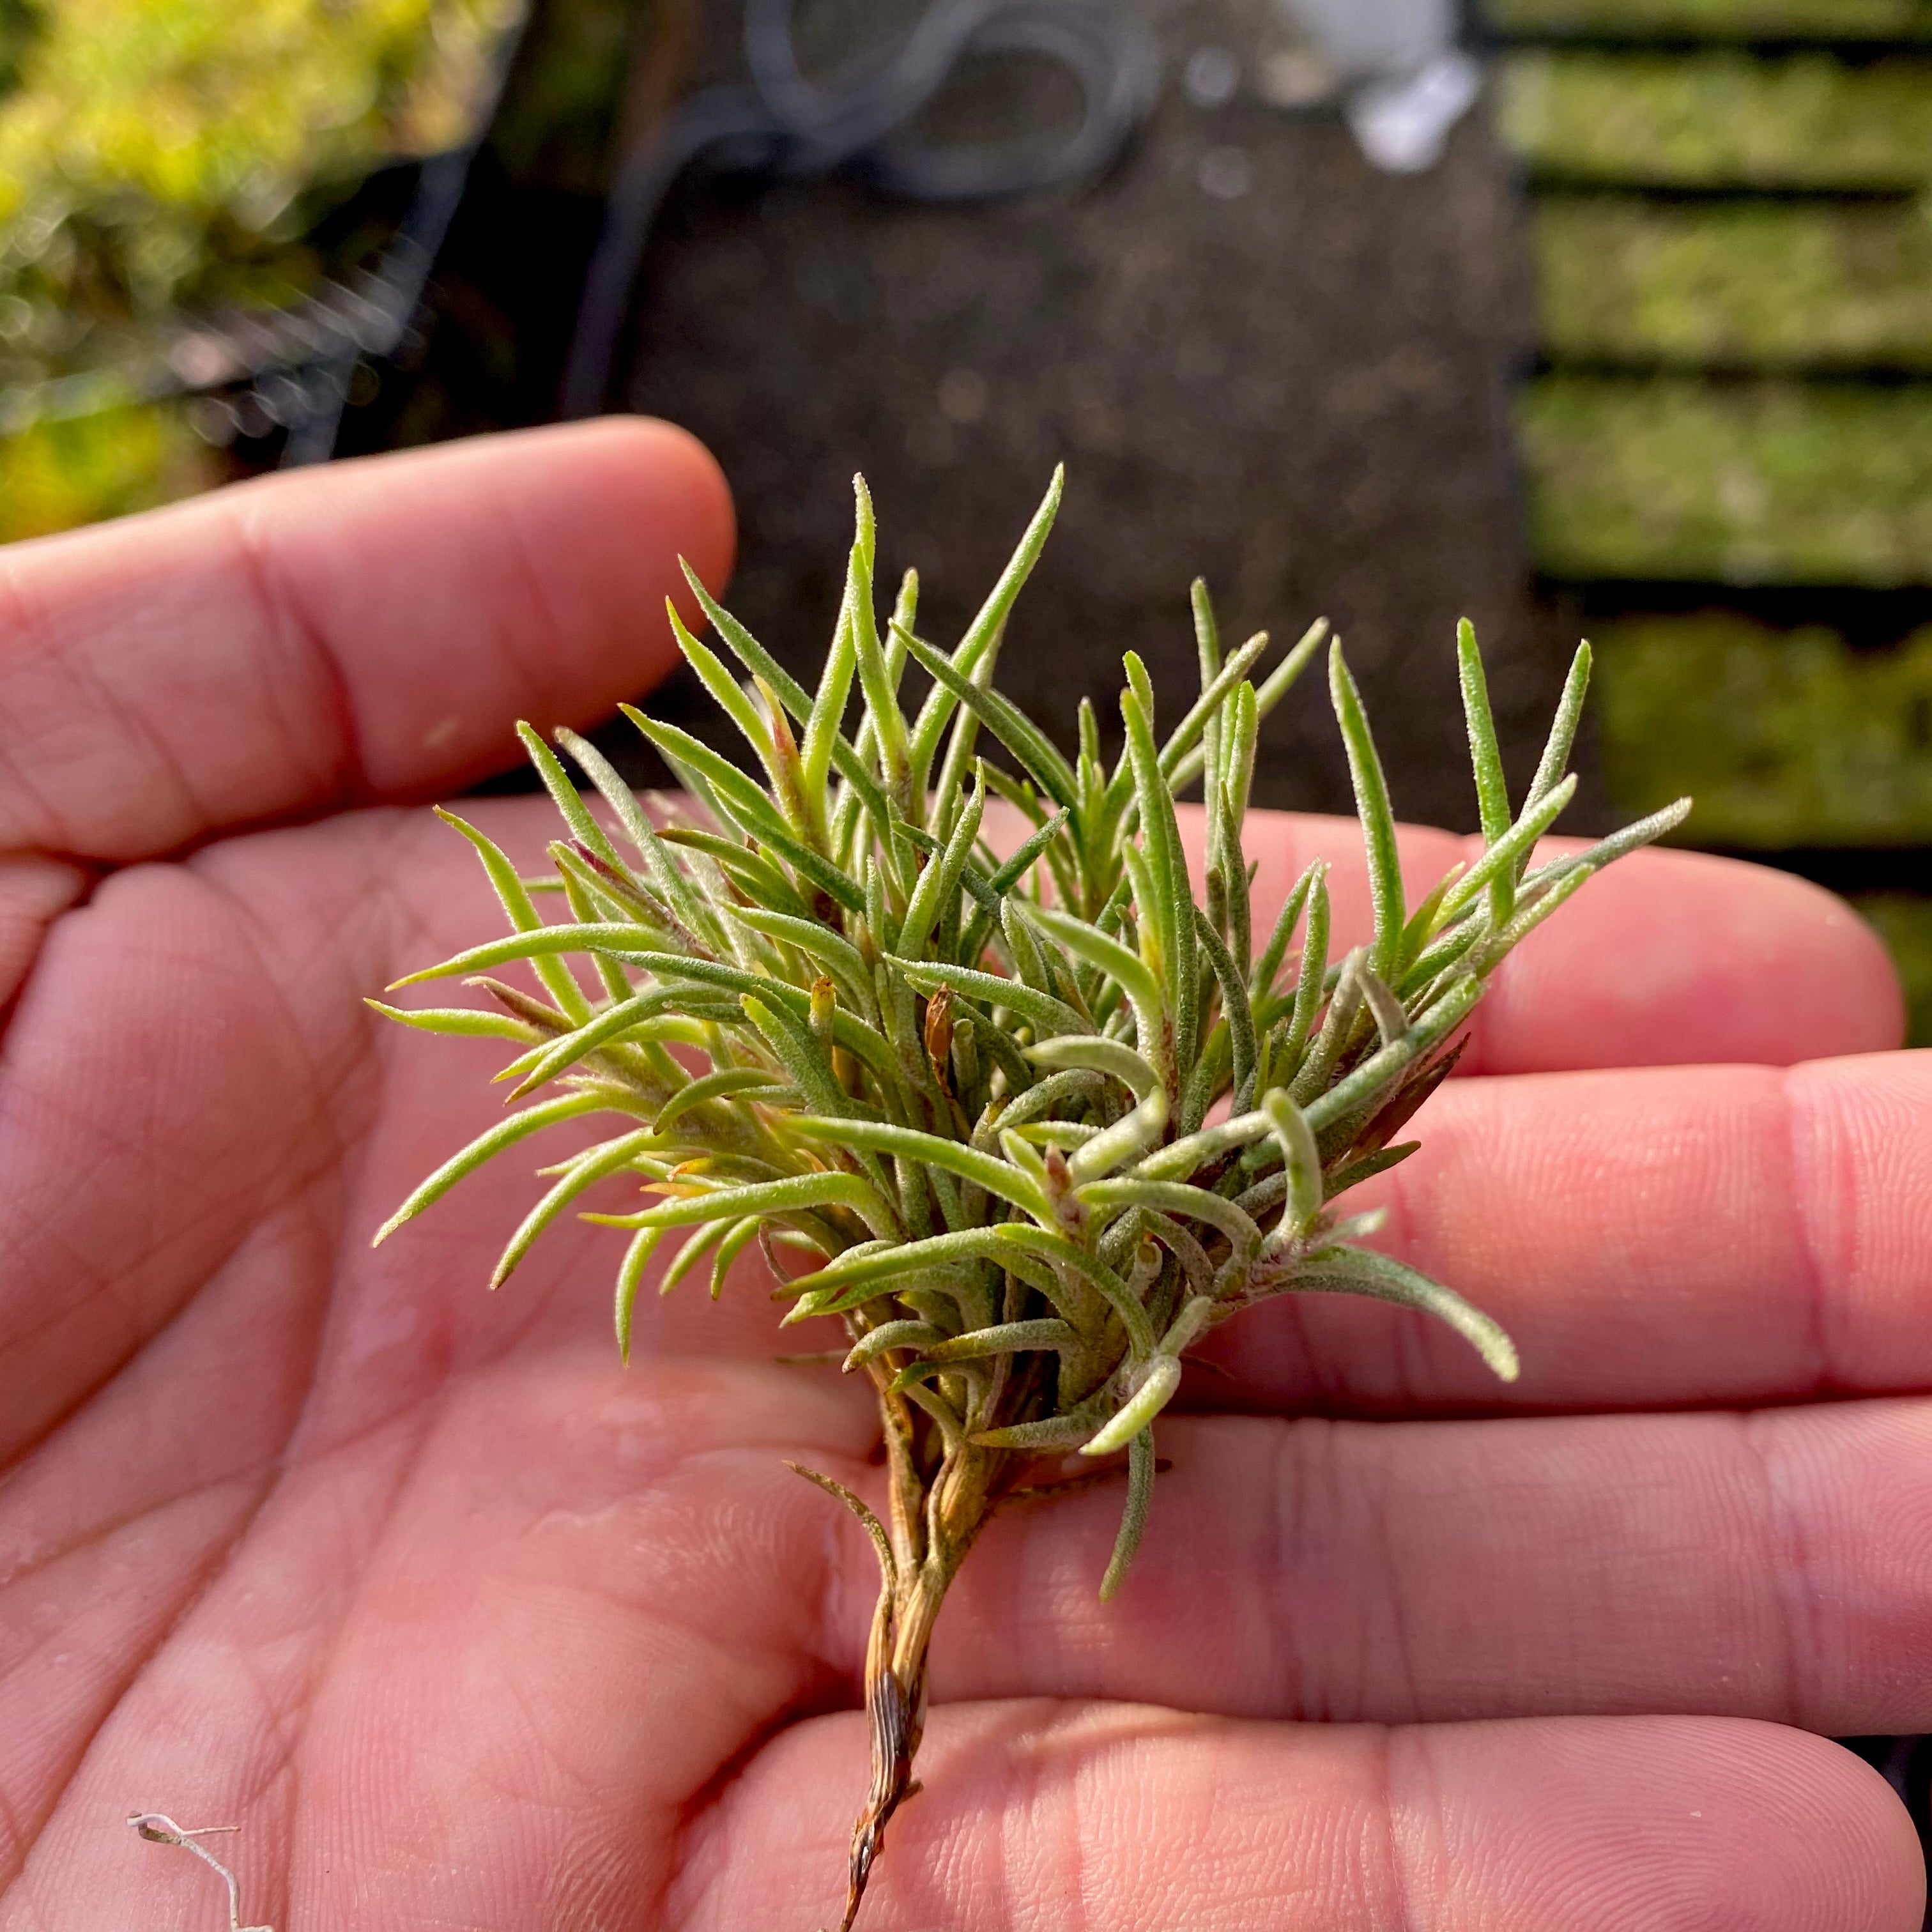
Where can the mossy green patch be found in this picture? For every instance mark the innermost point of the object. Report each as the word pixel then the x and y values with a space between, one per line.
pixel 1784 738
pixel 56 475
pixel 1745 483
pixel 1715 19
pixel 1770 286
pixel 1904 921
pixel 1719 118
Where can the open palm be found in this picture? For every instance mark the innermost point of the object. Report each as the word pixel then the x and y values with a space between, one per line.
pixel 464 1625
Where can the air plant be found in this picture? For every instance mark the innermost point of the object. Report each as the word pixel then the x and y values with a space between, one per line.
pixel 1025 1115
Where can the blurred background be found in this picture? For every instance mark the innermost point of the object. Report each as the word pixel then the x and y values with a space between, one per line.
pixel 1602 317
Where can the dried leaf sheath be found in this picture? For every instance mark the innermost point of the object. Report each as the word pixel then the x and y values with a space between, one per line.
pixel 967 1103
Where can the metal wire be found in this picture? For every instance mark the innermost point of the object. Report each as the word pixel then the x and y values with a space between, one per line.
pixel 782 125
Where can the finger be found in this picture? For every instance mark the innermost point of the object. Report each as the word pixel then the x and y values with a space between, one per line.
pixel 1664 957
pixel 1649 1238
pixel 1777 1565
pixel 1127 1817
pixel 368 629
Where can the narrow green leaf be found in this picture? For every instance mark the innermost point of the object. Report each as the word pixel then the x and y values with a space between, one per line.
pixel 858 1275
pixel 1236 1013
pixel 1008 1338
pixel 1485 958
pixel 1126 1140
pixel 1203 715
pixel 1170 1197
pixel 749 651
pixel 1556 759
pixel 983 633
pixel 1171 915
pixel 826 1189
pixel 1428 1029
pixel 584 1172
pixel 505 1133
pixel 612 1024
pixel 1503 858
pixel 818 941
pixel 1279 681
pixel 1056 1248
pixel 875 1342
pixel 737 1238
pixel 760 879
pixel 725 1083
pixel 1300 1159
pixel 557 979
pixel 695 1250
pixel 1141 1465
pixel 1372 803
pixel 1343 1270
pixel 630 1277
pixel 753 811
pixel 1485 757
pixel 475 1022
pixel 1261 981
pixel 1105 1056
pixel 1037 755
pixel 882 703
pixel 724 689
pixel 1041 1008
pixel 1188 1155
pixel 823 727
pixel 534 944
pixel 939 883
pixel 1619 845
pixel 997 1177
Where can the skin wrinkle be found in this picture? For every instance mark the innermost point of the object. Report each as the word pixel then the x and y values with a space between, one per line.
pixel 281 613
pixel 1379 1499
pixel 510 518
pixel 1388 1742
pixel 134 725
pixel 1790 1563
pixel 698 1825
pixel 1026 1767
pixel 21 625
pixel 1289 1519
pixel 1805 1179
pixel 326 1087
pixel 34 893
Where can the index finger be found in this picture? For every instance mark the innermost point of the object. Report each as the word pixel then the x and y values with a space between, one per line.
pixel 366 630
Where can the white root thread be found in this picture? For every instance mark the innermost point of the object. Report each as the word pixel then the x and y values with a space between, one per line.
pixel 160 1829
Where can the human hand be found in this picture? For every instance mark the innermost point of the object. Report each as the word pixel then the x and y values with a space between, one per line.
pixel 465 1625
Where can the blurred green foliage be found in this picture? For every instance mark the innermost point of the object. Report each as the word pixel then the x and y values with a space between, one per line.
pixel 1716 20
pixel 1784 738
pixel 105 463
pixel 165 157
pixel 1762 285
pixel 562 111
pixel 1904 921
pixel 1743 483
pixel 1719 118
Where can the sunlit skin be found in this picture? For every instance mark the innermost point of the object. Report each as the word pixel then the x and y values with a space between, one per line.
pixel 465 1625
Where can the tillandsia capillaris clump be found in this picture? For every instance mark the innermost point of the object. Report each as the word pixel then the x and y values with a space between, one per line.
pixel 1030 1123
